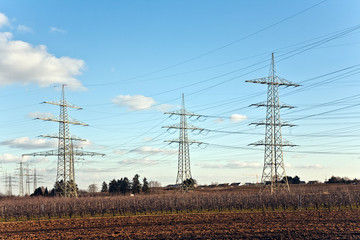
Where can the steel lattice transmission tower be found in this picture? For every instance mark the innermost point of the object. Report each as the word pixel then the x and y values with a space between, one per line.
pixel 21 179
pixel 65 178
pixel 274 175
pixel 8 184
pixel 27 180
pixel 35 180
pixel 184 171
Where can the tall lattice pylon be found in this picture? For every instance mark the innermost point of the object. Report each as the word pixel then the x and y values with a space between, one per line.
pixel 184 178
pixel 8 184
pixel 21 179
pixel 34 180
pixel 65 178
pixel 274 174
pixel 27 180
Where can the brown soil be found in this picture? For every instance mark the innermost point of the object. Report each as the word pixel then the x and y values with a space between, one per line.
pixel 343 224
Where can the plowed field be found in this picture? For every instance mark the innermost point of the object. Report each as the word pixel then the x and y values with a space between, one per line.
pixel 344 224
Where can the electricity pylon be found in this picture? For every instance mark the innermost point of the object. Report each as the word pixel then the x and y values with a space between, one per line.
pixel 274 175
pixel 184 179
pixel 21 179
pixel 65 178
pixel 8 184
pixel 27 180
pixel 35 180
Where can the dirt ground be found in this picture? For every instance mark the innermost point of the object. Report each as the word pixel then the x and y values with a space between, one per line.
pixel 343 224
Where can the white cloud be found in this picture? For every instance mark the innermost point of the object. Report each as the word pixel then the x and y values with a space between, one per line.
pixel 219 120
pixel 151 150
pixel 237 117
pixel 27 143
pixel 4 21
pixel 23 63
pixel 37 160
pixel 140 102
pixel 24 29
pixel 120 152
pixel 210 165
pixel 84 144
pixel 238 164
pixel 313 166
pixel 9 158
pixel 232 165
pixel 40 115
pixel 136 102
pixel 163 107
pixel 93 170
pixel 57 30
pixel 140 161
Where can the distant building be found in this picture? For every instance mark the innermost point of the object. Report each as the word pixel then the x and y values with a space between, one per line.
pixel 235 184
pixel 313 182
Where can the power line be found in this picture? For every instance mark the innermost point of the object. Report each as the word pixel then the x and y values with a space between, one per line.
pixel 218 48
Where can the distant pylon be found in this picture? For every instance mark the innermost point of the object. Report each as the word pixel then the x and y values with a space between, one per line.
pixel 21 179
pixel 184 171
pixel 65 178
pixel 274 174
pixel 35 180
pixel 8 183
pixel 27 180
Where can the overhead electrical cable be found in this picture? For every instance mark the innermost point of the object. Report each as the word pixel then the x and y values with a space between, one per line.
pixel 218 48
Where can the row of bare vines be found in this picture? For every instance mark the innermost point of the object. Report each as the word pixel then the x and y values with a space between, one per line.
pixel 47 208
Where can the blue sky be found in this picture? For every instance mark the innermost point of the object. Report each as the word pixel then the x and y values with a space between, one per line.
pixel 126 63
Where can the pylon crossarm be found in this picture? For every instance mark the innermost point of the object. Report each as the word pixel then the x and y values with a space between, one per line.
pixel 288 144
pixel 86 153
pixel 189 127
pixel 46 153
pixel 267 80
pixel 190 142
pixel 174 126
pixel 287 83
pixel 67 121
pixel 283 124
pixel 64 104
pixel 265 104
pixel 283 144
pixel 184 113
pixel 55 135
pixel 263 80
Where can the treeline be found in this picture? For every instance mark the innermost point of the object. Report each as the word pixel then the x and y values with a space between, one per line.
pixel 55 191
pixel 342 180
pixel 124 186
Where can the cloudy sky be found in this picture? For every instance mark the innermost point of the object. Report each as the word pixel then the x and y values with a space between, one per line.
pixel 126 63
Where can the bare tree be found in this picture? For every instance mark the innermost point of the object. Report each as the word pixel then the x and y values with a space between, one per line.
pixel 93 188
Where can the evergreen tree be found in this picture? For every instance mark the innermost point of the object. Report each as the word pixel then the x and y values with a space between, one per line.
pixel 136 186
pixel 145 187
pixel 38 192
pixel 104 187
pixel 113 186
pixel 189 183
pixel 58 187
pixel 124 185
pixel 46 193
